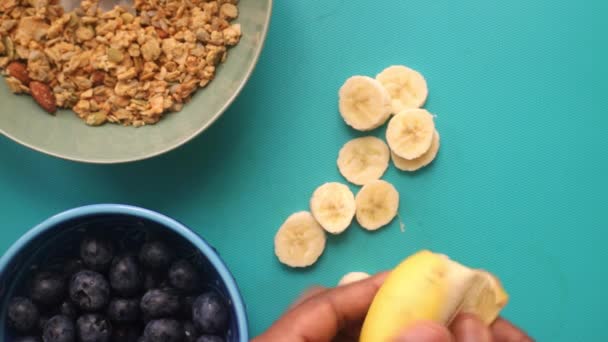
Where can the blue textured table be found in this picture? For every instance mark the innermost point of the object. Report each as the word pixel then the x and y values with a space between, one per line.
pixel 519 89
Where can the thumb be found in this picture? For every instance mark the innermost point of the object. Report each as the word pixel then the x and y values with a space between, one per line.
pixel 425 332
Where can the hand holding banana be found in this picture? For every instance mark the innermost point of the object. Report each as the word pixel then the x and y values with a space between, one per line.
pixel 427 298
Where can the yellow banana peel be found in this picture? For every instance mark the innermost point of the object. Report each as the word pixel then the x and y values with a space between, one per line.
pixel 430 287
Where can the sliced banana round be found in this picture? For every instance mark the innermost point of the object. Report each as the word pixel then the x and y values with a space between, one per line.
pixel 364 103
pixel 333 206
pixel 363 160
pixel 300 241
pixel 377 204
pixel 353 277
pixel 420 162
pixel 410 133
pixel 407 87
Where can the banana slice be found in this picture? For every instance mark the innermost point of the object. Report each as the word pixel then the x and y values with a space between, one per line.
pixel 377 204
pixel 353 277
pixel 420 162
pixel 333 206
pixel 430 286
pixel 364 103
pixel 410 133
pixel 363 160
pixel 406 87
pixel 300 241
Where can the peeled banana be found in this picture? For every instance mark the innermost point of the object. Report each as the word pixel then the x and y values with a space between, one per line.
pixel 333 206
pixel 407 87
pixel 420 162
pixel 364 103
pixel 300 241
pixel 377 204
pixel 352 277
pixel 363 160
pixel 430 287
pixel 410 133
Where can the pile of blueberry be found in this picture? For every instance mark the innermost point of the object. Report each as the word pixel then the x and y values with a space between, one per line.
pixel 109 295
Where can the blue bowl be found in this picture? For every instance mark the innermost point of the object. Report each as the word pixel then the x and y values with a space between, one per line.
pixel 58 237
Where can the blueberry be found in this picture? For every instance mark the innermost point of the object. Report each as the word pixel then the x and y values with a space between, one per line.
pixel 123 310
pixel 155 255
pixel 160 303
pixel 68 309
pixel 184 276
pixel 47 288
pixel 96 253
pixel 163 330
pixel 93 328
pixel 89 290
pixel 59 329
pixel 152 280
pixel 190 333
pixel 210 338
pixel 125 275
pixel 186 309
pixel 210 313
pixel 125 333
pixel 23 315
pixel 28 339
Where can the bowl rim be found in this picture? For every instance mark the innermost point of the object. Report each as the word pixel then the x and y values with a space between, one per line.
pixel 172 224
pixel 181 142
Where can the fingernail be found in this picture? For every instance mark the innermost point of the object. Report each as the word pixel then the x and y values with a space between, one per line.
pixel 471 329
pixel 428 332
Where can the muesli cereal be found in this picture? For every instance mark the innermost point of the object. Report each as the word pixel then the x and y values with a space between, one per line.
pixel 116 66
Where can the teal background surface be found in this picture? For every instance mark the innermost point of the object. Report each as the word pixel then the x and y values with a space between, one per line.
pixel 519 186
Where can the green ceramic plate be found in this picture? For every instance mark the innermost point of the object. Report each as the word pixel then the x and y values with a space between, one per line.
pixel 66 136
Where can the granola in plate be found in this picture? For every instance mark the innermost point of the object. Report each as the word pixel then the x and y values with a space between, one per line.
pixel 116 66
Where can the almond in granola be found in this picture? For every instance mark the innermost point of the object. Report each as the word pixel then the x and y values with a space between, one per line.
pixel 19 71
pixel 44 96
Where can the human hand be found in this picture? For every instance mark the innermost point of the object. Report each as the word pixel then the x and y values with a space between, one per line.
pixel 336 315
pixel 465 328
